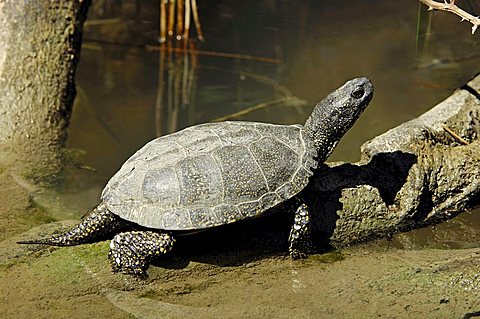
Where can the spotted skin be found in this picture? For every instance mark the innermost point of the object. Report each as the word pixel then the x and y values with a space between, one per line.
pixel 131 252
pixel 300 241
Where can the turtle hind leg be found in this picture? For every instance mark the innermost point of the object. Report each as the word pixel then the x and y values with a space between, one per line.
pixel 301 244
pixel 96 225
pixel 131 252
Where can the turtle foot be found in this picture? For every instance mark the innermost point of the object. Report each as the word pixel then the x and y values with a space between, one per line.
pixel 301 244
pixel 131 252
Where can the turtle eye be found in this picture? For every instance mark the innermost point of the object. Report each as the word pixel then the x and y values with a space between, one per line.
pixel 358 93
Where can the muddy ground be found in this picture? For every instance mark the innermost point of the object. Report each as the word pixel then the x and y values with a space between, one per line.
pixel 364 281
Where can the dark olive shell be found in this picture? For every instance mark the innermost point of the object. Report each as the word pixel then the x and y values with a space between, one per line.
pixel 211 174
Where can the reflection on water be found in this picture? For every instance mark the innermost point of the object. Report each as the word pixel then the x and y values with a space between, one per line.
pixel 458 233
pixel 176 78
pixel 129 94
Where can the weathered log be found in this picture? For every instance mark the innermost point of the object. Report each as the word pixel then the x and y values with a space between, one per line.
pixel 39 50
pixel 411 176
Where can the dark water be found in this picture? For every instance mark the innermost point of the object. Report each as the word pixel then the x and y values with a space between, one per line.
pixel 128 95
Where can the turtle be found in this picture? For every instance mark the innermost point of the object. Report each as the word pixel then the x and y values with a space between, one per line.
pixel 213 174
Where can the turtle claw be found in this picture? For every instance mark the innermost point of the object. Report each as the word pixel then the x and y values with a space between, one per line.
pixel 138 273
pixel 297 254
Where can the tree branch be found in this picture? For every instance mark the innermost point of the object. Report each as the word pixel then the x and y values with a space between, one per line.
pixel 453 8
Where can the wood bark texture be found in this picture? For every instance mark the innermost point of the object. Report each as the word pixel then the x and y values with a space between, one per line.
pixel 411 176
pixel 39 50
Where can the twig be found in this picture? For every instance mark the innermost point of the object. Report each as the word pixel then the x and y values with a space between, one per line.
pixel 455 135
pixel 86 167
pixel 277 87
pixel 450 6
pixel 90 43
pixel 214 53
pixel 255 108
pixel 93 23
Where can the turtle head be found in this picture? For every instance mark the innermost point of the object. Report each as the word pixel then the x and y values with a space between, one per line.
pixel 336 113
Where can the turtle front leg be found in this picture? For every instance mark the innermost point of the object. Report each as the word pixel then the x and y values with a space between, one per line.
pixel 131 252
pixel 300 240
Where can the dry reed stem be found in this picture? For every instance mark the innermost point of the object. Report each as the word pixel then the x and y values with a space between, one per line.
pixel 163 22
pixel 171 17
pixel 175 19
pixel 179 19
pixel 187 20
pixel 196 20
pixel 450 6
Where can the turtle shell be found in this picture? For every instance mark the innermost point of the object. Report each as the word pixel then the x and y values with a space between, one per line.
pixel 211 174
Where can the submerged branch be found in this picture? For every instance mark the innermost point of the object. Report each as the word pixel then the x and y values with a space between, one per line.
pixel 213 54
pixel 287 100
pixel 96 45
